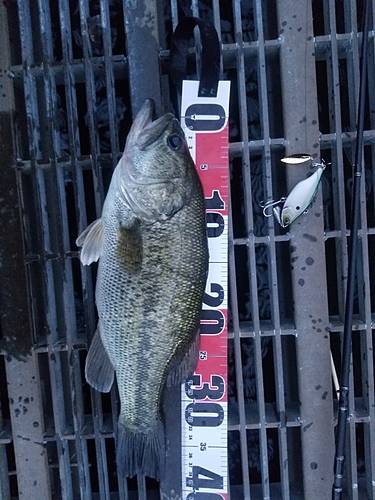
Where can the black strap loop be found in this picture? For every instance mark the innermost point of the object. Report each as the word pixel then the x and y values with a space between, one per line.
pixel 210 69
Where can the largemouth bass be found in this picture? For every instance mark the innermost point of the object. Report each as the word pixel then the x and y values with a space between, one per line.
pixel 152 248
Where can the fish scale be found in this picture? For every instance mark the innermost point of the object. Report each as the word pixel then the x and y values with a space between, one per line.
pixel 151 278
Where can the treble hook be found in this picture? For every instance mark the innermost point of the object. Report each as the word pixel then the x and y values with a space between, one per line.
pixel 271 204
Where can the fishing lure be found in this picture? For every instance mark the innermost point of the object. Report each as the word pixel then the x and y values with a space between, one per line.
pixel 301 196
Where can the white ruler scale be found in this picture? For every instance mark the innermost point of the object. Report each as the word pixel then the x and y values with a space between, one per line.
pixel 204 397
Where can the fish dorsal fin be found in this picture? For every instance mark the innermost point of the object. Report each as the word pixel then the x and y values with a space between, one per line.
pixel 91 241
pixel 129 249
pixel 99 371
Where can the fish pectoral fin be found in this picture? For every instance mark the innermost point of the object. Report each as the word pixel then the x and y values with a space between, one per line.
pixel 129 249
pixel 91 241
pixel 99 371
pixel 184 367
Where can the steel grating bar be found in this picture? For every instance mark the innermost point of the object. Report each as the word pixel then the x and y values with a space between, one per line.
pixel 84 15
pixel 115 405
pixel 251 256
pixel 250 230
pixel 272 264
pixel 371 93
pixel 4 467
pixel 217 24
pixel 4 473
pixel 72 125
pixel 300 115
pixel 266 161
pixel 337 158
pixel 369 429
pixel 195 8
pixel 75 378
pixel 78 423
pixel 100 447
pixel 174 13
pixel 367 362
pixel 59 422
pixel 350 11
pixel 65 264
pixel 141 23
pixel 237 358
pixel 110 80
pixel 255 147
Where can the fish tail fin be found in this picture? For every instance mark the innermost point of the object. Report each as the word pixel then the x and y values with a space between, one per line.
pixel 141 452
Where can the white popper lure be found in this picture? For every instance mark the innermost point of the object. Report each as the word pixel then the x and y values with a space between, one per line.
pixel 301 196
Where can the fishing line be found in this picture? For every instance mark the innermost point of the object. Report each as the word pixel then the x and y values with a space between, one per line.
pixel 353 245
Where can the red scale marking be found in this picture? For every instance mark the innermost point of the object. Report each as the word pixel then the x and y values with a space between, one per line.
pixel 207 148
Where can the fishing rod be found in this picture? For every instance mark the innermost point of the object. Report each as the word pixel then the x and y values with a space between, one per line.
pixel 352 264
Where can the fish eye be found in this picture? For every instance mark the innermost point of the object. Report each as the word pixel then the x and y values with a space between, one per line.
pixel 175 142
pixel 298 207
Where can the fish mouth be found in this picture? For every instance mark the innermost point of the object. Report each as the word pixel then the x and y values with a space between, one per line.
pixel 144 131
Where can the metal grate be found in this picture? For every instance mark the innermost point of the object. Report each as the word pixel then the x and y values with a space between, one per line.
pixel 72 74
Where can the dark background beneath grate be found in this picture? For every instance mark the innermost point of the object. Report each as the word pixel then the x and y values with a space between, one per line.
pixel 71 90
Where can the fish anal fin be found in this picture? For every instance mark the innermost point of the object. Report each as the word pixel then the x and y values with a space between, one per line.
pixel 180 372
pixel 91 241
pixel 99 371
pixel 129 247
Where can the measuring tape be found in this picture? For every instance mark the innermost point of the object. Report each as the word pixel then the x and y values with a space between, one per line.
pixel 204 396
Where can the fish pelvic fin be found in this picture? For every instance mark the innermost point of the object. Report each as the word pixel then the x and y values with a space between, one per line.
pixel 186 366
pixel 91 241
pixel 99 371
pixel 141 452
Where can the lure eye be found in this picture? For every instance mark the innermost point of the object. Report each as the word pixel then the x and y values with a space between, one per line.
pixel 175 142
pixel 298 207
